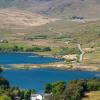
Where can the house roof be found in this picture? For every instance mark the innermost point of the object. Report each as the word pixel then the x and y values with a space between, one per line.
pixel 38 96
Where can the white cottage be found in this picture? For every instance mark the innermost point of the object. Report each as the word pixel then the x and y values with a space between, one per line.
pixel 70 57
pixel 36 97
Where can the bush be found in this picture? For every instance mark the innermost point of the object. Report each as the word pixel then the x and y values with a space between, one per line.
pixel 4 97
pixel 1 69
pixel 56 88
pixel 93 85
pixel 73 92
pixel 4 83
pixel 70 51
pixel 48 88
pixel 33 49
pixel 46 49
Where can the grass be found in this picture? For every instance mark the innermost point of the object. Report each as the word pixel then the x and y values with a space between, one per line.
pixel 93 95
pixel 83 33
pixel 92 58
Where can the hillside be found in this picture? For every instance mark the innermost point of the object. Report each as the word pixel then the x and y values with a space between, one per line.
pixel 62 8
pixel 12 17
pixel 35 22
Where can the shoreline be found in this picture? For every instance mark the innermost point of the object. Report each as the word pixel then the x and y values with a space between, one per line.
pixel 57 65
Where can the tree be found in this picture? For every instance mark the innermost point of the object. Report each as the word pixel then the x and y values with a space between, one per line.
pixel 47 49
pixel 33 91
pixel 21 49
pixel 73 92
pixel 58 87
pixel 15 48
pixel 48 88
pixel 27 94
pixel 4 83
pixel 1 69
pixel 93 85
pixel 4 97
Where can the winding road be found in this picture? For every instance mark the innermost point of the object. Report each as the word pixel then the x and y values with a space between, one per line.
pixel 82 52
pixel 79 45
pixel 54 31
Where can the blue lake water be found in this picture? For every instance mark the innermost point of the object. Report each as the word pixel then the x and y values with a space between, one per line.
pixel 25 58
pixel 37 78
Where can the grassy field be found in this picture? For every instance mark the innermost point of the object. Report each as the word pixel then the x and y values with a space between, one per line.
pixel 94 95
pixel 92 58
pixel 84 33
pixel 87 34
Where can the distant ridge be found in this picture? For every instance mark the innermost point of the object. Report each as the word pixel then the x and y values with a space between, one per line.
pixel 62 8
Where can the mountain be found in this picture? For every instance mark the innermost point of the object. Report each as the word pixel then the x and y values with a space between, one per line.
pixel 15 18
pixel 31 5
pixel 62 8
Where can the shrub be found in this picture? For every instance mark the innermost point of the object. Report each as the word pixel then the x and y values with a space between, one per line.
pixel 46 49
pixel 4 83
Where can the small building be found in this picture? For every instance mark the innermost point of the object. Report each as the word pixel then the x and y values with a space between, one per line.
pixel 70 57
pixel 17 98
pixel 3 41
pixel 87 50
pixel 36 97
pixel 77 17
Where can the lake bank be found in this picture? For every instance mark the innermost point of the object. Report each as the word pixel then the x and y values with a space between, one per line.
pixel 57 65
pixel 33 60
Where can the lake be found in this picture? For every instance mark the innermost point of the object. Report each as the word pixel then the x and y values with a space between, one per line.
pixel 25 58
pixel 37 78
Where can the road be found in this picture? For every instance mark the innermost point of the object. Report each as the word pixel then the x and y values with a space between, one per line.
pixel 54 31
pixel 82 52
pixel 79 46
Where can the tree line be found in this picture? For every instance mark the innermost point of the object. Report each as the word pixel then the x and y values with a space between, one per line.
pixel 74 90
pixel 16 48
pixel 10 93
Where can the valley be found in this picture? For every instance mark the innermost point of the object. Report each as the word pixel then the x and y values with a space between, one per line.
pixel 26 30
pixel 49 41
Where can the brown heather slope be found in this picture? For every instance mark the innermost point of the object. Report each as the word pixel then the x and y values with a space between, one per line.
pixel 12 17
pixel 63 8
